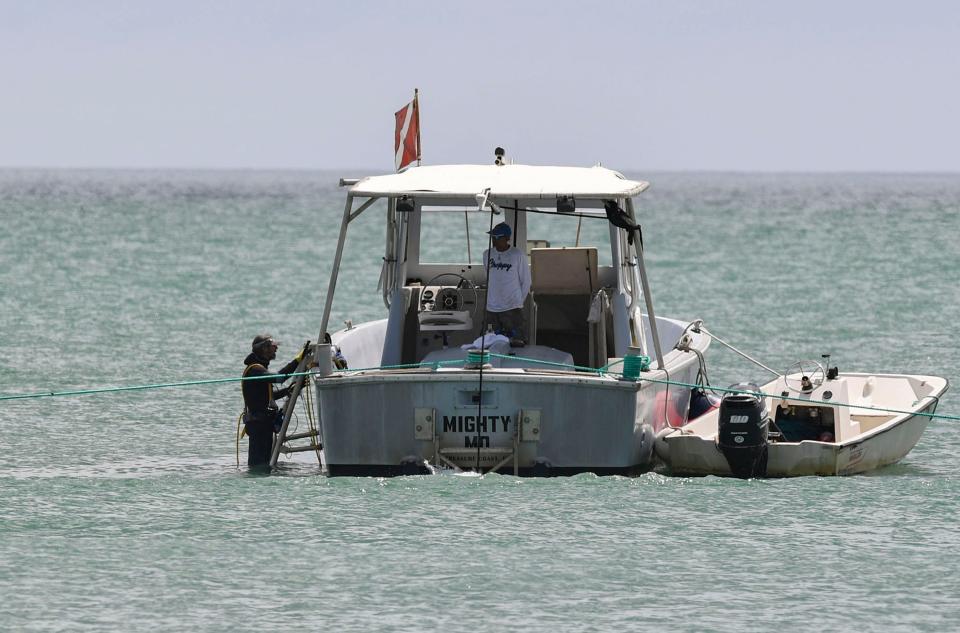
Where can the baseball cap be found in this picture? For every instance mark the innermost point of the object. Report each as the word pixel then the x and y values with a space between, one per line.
pixel 501 230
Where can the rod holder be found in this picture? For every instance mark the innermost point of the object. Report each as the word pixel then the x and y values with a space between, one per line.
pixel 324 357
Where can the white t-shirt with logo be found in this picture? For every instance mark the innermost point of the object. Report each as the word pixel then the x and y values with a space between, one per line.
pixel 509 279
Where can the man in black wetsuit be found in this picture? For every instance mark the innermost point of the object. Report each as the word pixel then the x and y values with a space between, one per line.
pixel 262 416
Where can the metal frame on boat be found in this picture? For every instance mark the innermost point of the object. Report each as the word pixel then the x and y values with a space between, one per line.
pixel 414 400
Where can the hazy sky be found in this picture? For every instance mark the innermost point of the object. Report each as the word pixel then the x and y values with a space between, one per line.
pixel 667 85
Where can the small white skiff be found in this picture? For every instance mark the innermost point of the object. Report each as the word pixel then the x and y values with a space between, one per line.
pixel 809 422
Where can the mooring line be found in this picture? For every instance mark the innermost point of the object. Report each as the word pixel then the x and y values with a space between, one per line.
pixel 596 372
pixel 164 385
pixel 806 400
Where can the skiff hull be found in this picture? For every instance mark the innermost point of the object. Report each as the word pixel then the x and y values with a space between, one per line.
pixel 695 450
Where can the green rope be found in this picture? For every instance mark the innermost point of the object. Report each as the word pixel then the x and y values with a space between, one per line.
pixel 422 365
pixel 604 370
pixel 437 364
pixel 478 356
pixel 804 400
pixel 592 370
pixel 164 385
pixel 382 367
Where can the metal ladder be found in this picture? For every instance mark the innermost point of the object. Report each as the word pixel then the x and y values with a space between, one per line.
pixel 313 434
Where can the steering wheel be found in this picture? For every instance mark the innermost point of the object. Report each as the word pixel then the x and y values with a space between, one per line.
pixel 452 297
pixel 812 375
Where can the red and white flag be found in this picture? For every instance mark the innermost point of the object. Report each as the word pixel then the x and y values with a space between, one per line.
pixel 406 145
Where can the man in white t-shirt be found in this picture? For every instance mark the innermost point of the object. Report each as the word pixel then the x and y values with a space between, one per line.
pixel 509 285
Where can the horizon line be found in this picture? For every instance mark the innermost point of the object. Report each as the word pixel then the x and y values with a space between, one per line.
pixel 379 171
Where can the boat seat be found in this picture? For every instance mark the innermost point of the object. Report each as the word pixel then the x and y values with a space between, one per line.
pixel 564 271
pixel 563 282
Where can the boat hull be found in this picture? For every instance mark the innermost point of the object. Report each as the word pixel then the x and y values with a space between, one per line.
pixel 391 423
pixel 699 455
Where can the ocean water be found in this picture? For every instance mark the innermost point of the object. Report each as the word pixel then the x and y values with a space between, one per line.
pixel 126 511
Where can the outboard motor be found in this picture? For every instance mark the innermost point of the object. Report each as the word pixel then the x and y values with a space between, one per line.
pixel 742 431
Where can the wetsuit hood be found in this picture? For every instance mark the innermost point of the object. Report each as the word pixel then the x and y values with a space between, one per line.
pixel 253 358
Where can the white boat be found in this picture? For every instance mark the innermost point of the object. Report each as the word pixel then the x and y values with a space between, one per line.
pixel 810 421
pixel 414 399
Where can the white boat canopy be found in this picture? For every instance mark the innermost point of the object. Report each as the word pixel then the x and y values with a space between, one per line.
pixel 503 181
pixel 580 189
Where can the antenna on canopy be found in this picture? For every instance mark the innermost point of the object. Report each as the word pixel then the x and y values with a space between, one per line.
pixel 483 201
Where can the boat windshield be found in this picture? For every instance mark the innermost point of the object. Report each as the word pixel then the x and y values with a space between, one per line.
pixel 552 230
pixel 445 238
pixel 458 234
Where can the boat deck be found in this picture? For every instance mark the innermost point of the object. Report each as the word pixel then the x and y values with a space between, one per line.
pixel 527 357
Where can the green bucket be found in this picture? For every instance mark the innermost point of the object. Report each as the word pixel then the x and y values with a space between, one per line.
pixel 633 365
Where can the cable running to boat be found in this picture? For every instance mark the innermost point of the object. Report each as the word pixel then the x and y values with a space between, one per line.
pixel 483 328
pixel 598 372
pixel 697 326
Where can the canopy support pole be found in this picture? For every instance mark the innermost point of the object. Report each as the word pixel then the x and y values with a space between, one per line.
pixel 647 297
pixel 363 207
pixel 328 304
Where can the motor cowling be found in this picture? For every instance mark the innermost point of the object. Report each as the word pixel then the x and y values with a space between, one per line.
pixel 742 430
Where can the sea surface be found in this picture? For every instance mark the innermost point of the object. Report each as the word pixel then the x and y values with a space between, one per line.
pixel 127 512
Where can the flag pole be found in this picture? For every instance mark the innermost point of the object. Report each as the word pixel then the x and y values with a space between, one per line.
pixel 416 113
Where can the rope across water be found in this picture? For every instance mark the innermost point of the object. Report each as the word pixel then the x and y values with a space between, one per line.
pixel 163 385
pixel 432 366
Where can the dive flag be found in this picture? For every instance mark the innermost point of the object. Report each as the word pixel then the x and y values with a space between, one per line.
pixel 406 145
